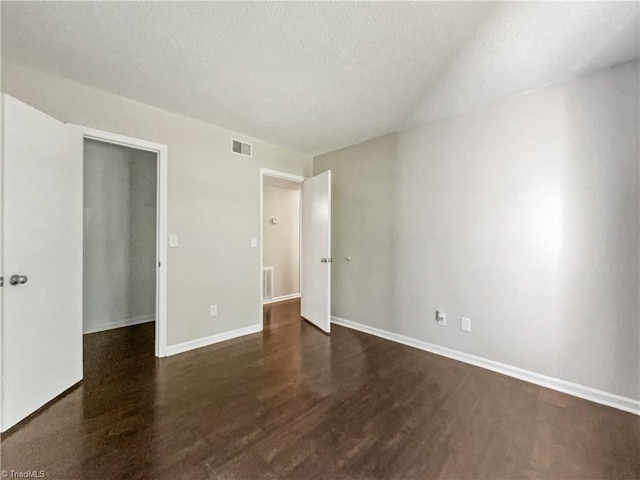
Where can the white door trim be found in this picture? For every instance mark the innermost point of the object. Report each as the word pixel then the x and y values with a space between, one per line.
pixel 265 172
pixel 161 220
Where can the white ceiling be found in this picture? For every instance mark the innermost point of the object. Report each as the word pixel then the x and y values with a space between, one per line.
pixel 314 77
pixel 527 45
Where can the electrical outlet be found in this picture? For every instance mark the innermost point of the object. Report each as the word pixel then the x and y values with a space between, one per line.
pixel 465 324
pixel 213 310
pixel 441 318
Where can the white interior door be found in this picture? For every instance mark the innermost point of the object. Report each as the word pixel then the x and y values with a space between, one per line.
pixel 42 251
pixel 315 272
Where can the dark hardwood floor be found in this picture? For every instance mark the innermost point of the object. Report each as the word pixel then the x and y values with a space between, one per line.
pixel 293 403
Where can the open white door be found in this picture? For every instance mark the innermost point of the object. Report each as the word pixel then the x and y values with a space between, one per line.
pixel 315 271
pixel 42 250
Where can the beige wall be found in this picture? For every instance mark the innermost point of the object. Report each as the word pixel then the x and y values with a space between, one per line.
pixel 523 216
pixel 213 198
pixel 281 241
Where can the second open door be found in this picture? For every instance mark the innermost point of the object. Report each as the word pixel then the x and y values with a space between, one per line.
pixel 315 271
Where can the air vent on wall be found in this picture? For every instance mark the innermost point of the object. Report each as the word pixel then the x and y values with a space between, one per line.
pixel 267 282
pixel 241 148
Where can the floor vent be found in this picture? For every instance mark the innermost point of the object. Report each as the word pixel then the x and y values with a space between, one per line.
pixel 267 282
pixel 241 148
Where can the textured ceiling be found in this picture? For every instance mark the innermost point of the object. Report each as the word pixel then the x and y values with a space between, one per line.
pixel 314 77
pixel 527 45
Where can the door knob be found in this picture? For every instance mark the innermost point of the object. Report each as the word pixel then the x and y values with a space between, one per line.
pixel 18 279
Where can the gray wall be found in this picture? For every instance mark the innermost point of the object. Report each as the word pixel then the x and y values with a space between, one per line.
pixel 119 236
pixel 523 216
pixel 213 198
pixel 281 241
pixel 363 214
pixel 142 276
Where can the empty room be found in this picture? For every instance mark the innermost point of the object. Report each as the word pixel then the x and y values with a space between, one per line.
pixel 320 240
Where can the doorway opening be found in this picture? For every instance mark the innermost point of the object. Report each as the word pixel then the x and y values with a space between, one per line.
pixel 124 231
pixel 280 203
pixel 314 240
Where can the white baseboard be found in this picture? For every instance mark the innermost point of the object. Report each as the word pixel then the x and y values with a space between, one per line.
pixel 577 390
pixel 127 322
pixel 205 341
pixel 281 298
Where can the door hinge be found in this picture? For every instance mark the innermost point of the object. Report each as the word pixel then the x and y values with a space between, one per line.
pixel 1 281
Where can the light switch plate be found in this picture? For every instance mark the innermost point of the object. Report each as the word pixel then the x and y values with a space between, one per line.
pixel 254 241
pixel 173 240
pixel 465 324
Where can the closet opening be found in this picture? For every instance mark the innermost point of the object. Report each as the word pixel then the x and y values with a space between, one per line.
pixel 120 245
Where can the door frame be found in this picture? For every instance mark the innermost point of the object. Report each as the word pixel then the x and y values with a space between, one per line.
pixel 161 221
pixel 266 172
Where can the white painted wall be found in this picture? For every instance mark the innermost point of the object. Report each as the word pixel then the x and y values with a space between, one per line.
pixel 119 272
pixel 215 263
pixel 523 216
pixel 281 241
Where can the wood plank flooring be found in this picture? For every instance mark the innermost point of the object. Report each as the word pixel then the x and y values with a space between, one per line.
pixel 292 403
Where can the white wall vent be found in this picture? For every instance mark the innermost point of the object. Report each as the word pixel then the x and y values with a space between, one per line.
pixel 241 148
pixel 267 282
